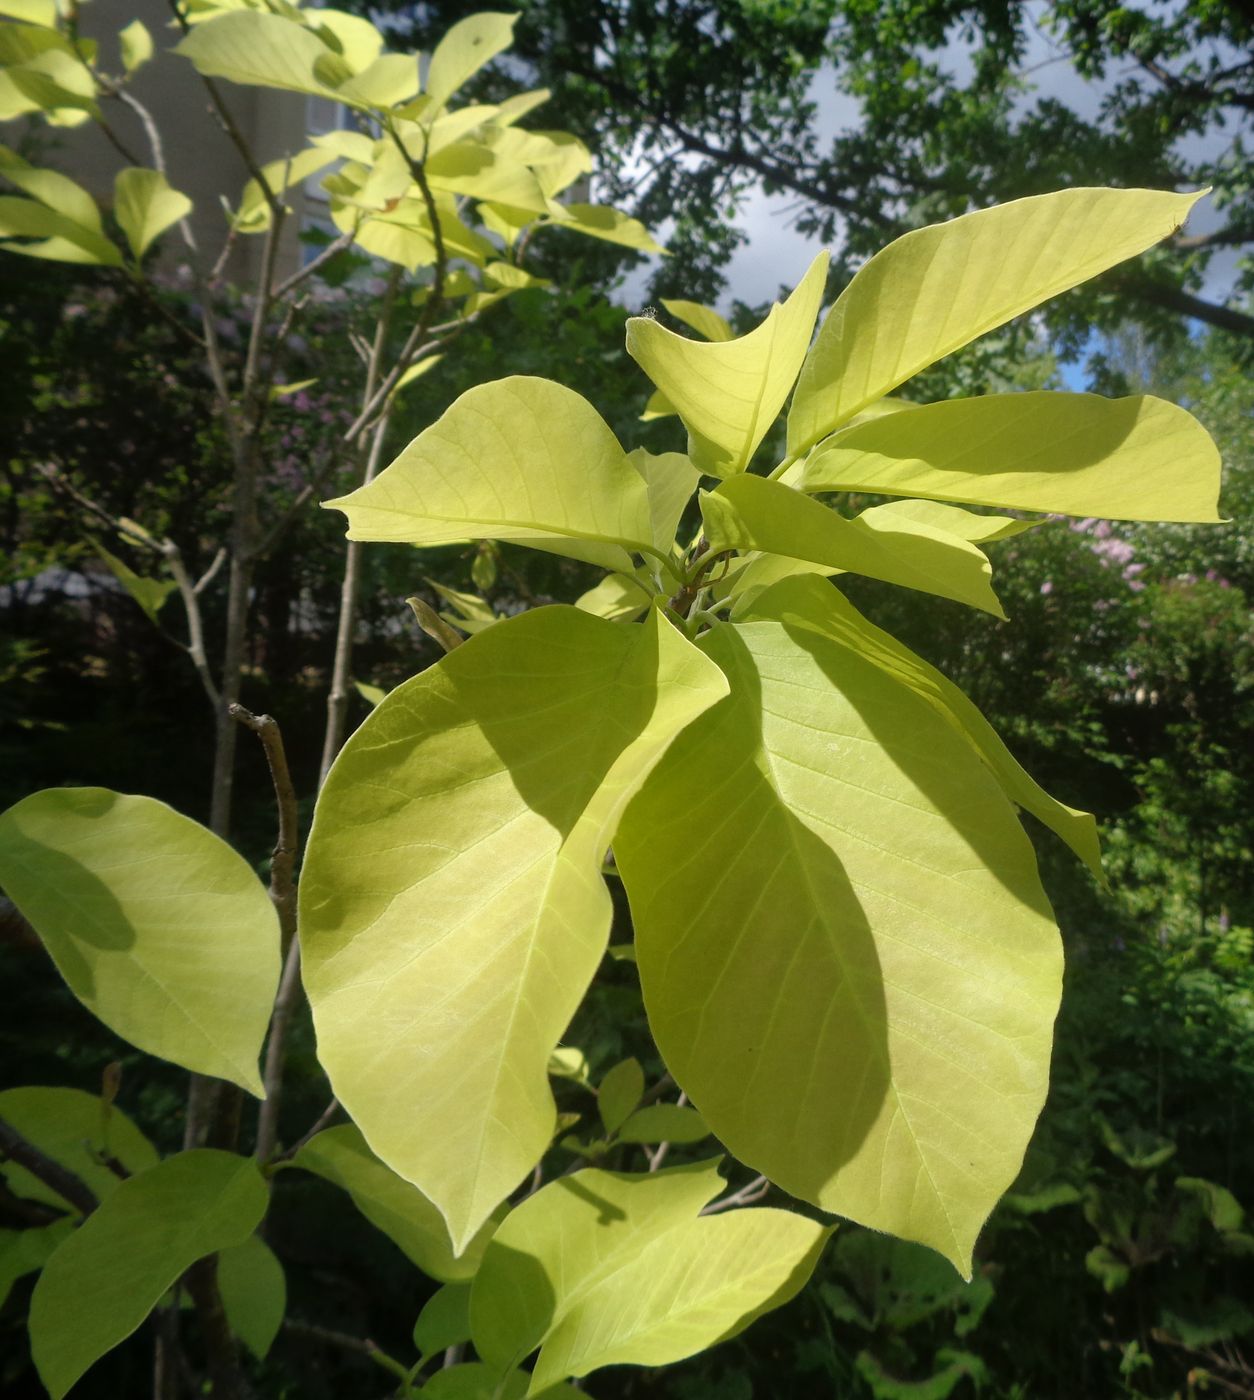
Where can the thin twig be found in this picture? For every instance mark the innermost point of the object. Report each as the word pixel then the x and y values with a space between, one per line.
pixel 211 572
pixel 362 1345
pixel 323 1120
pixel 69 1186
pixel 333 249
pixel 189 596
pixel 746 1196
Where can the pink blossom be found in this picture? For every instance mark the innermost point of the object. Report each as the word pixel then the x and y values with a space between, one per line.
pixel 1046 588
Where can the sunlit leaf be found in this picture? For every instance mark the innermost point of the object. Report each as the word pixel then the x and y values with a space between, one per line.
pixel 1076 454
pixel 847 959
pixel 145 206
pixel 157 925
pixel 749 512
pixel 136 45
pixel 466 47
pixel 703 319
pixel 452 904
pixel 606 1268
pixel 938 288
pixel 814 606
pixel 729 393
pixel 103 1281
pixel 519 459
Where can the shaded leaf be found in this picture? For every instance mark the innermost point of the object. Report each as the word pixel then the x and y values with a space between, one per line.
pixel 103 1281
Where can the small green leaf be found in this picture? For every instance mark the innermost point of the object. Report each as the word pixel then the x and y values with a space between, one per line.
pixel 749 512
pixel 938 288
pixel 449 932
pixel 136 45
pixel 79 1131
pixel 145 206
pixel 520 459
pixel 620 1092
pixel 103 1281
pixel 664 1122
pixel 157 925
pixel 729 393
pixel 341 1156
pixel 444 1320
pixel 417 370
pixel 657 406
pixel 1074 454
pixel 254 1293
pixel 149 593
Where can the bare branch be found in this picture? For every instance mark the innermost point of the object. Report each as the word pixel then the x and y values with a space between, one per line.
pixel 746 1196
pixel 70 1187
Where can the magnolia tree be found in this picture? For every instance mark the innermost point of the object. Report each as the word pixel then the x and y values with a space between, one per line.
pixel 848 964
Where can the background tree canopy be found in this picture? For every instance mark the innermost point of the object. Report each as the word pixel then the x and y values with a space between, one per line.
pixel 877 116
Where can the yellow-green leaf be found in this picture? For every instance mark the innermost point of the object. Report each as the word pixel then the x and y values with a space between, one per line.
pixel 728 393
pixel 816 607
pixel 749 512
pixel 453 908
pixel 826 868
pixel 601 221
pixel 938 288
pixel 392 1204
pixel 105 1279
pixel 1077 454
pixel 703 319
pixel 520 459
pixel 466 47
pixel 145 206
pixel 157 925
pixel 444 1320
pixel 606 1268
pixel 136 45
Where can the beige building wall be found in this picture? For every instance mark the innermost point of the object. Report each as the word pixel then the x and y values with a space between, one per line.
pixel 200 159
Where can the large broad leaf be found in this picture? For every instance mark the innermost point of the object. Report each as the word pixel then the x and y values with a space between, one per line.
pixel 157 925
pixel 608 224
pixel 469 168
pixel 814 605
pixel 671 479
pixel 106 1278
pixel 262 50
pixel 78 1130
pixel 452 905
pixel 520 459
pixel 145 206
pixel 466 47
pixel 749 512
pixel 606 1268
pixel 729 392
pixel 937 289
pixel 847 959
pixel 391 1203
pixel 1076 454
